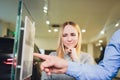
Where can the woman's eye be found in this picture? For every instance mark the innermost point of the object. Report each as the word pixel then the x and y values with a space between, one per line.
pixel 73 34
pixel 64 35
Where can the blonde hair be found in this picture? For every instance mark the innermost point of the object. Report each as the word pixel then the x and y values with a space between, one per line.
pixel 60 49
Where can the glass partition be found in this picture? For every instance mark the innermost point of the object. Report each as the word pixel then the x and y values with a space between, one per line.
pixel 24 44
pixel 17 43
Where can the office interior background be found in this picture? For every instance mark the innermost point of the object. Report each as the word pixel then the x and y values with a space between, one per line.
pixel 98 20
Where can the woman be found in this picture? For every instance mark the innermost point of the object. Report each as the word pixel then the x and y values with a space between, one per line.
pixel 69 48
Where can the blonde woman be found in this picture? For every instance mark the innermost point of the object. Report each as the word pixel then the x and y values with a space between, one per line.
pixel 69 48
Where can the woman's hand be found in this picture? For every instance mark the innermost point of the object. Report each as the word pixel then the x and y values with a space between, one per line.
pixel 73 54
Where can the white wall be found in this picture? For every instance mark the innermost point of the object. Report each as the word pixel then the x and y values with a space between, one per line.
pixel 4 26
pixel 46 43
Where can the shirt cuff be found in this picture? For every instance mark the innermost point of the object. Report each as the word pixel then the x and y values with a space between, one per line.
pixel 72 69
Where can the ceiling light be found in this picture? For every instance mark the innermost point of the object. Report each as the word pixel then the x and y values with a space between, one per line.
pixel 101 48
pixel 45 8
pixel 100 41
pixel 55 30
pixel 102 32
pixel 47 22
pixel 117 24
pixel 45 11
pixel 98 44
pixel 83 30
pixel 49 30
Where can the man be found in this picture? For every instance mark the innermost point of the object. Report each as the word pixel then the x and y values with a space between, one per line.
pixel 105 70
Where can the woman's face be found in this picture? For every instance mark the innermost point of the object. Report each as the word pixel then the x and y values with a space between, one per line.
pixel 69 37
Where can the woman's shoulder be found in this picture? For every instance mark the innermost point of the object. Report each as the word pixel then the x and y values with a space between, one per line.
pixel 86 58
pixel 53 53
pixel 85 54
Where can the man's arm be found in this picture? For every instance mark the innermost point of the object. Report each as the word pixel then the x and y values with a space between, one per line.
pixel 105 70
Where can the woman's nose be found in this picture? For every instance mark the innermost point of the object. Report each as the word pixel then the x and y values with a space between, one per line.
pixel 69 38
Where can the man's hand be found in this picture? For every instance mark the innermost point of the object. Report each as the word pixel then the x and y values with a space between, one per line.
pixel 52 64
